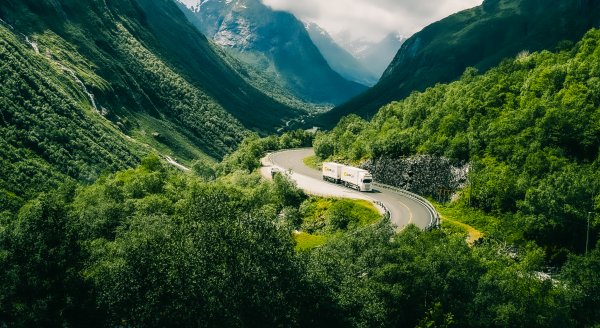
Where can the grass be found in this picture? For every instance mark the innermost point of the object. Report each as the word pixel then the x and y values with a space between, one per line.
pixel 459 227
pixel 327 218
pixel 306 241
pixel 461 219
pixel 170 140
pixel 313 162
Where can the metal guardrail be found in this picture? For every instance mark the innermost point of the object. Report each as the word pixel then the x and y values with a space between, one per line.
pixel 434 216
pixel 434 221
pixel 386 212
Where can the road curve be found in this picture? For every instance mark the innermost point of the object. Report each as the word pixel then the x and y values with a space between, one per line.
pixel 403 210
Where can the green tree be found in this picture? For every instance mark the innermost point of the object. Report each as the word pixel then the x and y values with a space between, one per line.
pixel 41 260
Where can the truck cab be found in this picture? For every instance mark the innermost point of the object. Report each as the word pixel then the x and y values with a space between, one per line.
pixel 356 178
pixel 366 182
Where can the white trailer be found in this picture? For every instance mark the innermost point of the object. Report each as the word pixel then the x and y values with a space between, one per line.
pixel 332 172
pixel 356 178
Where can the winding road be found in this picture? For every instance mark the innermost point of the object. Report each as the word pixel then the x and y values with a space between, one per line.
pixel 403 210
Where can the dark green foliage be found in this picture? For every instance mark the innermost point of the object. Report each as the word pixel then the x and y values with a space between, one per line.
pixel 247 156
pixel 432 278
pixel 40 259
pixel 150 247
pixel 581 278
pixel 47 130
pixel 153 247
pixel 480 37
pixel 286 192
pixel 529 129
pixel 214 263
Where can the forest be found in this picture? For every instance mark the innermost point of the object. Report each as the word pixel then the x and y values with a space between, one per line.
pixel 156 247
pixel 528 130
pixel 97 231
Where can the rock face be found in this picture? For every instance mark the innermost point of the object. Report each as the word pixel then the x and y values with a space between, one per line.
pixel 275 42
pixel 425 175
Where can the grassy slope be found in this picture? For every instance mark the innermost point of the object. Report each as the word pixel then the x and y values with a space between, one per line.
pixel 48 128
pixel 326 218
pixel 145 86
pixel 480 37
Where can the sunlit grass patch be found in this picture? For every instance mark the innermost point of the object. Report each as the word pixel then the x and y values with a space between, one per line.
pixel 305 241
pixel 313 162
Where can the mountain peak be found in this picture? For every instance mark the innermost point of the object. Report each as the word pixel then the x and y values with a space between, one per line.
pixel 339 58
pixel 275 42
pixel 375 56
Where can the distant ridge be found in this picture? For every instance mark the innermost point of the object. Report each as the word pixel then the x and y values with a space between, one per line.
pixel 479 37
pixel 274 42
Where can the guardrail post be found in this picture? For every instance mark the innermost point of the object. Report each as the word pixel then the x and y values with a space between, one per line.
pixel 434 221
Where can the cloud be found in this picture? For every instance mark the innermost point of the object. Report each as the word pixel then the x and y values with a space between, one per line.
pixel 372 19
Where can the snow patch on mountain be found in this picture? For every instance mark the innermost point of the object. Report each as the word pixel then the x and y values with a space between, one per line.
pixel 196 5
pixel 235 32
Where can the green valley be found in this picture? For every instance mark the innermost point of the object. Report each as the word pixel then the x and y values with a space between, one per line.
pixel 139 185
pixel 90 87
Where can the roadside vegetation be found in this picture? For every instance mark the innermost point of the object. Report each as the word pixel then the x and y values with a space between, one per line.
pixel 528 131
pixel 313 162
pixel 153 246
pixel 325 218
pixel 94 232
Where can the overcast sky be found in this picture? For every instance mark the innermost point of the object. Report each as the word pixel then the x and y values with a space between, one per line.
pixel 372 19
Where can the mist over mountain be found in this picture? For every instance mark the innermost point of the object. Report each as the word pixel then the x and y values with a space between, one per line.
pixel 274 42
pixel 375 56
pixel 340 59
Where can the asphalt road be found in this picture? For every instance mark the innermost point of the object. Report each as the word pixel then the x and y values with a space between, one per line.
pixel 403 210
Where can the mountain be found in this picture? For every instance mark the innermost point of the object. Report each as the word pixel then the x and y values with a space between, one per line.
pixel 529 129
pixel 340 59
pixel 378 56
pixel 274 42
pixel 375 56
pixel 480 37
pixel 92 86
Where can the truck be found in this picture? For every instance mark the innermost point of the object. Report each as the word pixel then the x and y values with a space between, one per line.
pixel 356 178
pixel 332 172
pixel 349 176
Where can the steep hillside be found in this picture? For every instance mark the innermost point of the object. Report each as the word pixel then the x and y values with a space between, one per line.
pixel 480 37
pixel 49 128
pixel 339 59
pixel 90 86
pixel 529 130
pixel 274 42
